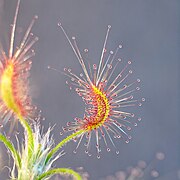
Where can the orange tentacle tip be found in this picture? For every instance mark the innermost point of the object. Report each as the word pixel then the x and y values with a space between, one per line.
pixel 107 93
pixel 15 65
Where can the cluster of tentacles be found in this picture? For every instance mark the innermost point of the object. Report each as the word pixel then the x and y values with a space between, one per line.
pixel 105 97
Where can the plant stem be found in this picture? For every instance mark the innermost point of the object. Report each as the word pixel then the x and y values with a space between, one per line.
pixel 62 143
pixel 60 171
pixel 30 136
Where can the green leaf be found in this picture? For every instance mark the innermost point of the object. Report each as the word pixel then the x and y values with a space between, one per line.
pixel 12 149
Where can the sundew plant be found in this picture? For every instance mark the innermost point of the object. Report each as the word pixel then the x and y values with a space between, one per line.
pixel 106 96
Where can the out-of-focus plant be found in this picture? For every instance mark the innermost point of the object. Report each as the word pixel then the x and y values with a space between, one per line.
pixel 33 159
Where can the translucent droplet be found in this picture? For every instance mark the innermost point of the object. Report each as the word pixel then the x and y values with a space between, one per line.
pixel 120 46
pixel 117 152
pixel 128 128
pixel 94 66
pixel 138 88
pixel 36 17
pixel 86 50
pixel 109 66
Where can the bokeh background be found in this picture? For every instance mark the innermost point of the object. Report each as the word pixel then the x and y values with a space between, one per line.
pixel 150 33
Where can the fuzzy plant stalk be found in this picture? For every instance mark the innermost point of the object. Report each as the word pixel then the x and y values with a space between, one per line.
pixel 35 166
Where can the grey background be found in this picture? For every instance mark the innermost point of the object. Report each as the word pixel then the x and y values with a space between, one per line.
pixel 149 31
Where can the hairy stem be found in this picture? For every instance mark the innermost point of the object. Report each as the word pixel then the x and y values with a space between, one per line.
pixel 62 143
pixel 60 171
pixel 29 132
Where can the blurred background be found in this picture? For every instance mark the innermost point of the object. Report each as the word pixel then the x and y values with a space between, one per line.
pixel 150 34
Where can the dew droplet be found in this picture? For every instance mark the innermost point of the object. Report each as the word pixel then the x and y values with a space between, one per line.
pixel 86 50
pixel 138 80
pixel 120 46
pixel 61 133
pixel 111 52
pixel 108 149
pixel 36 17
pixel 138 88
pixel 109 66
pixel 94 66
pixel 128 128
